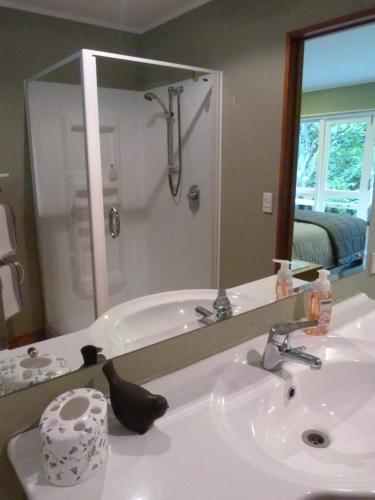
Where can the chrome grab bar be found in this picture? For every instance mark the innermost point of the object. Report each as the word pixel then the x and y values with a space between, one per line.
pixel 114 222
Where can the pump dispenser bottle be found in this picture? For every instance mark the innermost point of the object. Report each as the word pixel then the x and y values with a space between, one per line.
pixel 284 280
pixel 319 305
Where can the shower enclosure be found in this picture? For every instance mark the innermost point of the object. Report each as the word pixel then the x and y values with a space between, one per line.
pixel 126 178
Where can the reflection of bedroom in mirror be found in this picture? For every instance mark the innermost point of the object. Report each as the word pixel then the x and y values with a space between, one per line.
pixel 334 154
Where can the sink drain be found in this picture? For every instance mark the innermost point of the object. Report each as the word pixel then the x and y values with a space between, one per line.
pixel 291 392
pixel 315 438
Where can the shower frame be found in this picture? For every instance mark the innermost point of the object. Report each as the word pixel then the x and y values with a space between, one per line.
pixel 88 73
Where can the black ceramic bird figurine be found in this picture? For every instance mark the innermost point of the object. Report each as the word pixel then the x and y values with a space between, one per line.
pixel 91 355
pixel 133 406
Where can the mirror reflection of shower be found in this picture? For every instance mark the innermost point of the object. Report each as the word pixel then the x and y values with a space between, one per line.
pixel 174 171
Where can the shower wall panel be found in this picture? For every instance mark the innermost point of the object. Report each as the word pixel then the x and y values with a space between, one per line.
pixel 179 240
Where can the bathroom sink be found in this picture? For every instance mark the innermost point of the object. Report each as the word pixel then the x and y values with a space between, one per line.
pixel 307 425
pixel 148 319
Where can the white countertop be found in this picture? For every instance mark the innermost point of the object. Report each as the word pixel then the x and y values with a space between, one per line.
pixel 67 346
pixel 261 292
pixel 186 455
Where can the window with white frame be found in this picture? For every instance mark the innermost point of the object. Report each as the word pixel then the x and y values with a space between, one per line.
pixel 336 164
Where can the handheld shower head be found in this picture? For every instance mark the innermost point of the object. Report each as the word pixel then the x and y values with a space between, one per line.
pixel 150 96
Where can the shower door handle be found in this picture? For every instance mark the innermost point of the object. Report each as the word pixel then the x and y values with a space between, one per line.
pixel 114 222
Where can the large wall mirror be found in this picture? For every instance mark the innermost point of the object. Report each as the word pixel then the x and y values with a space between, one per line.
pixel 162 232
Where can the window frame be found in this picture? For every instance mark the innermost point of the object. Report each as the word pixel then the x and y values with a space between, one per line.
pixel 320 192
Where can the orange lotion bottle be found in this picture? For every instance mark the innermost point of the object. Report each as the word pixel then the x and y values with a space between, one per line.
pixel 284 280
pixel 320 304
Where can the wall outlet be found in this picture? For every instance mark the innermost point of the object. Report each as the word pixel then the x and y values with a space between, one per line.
pixel 267 203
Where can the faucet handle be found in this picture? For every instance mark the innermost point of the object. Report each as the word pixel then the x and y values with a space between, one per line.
pixel 221 299
pixel 222 305
pixel 279 332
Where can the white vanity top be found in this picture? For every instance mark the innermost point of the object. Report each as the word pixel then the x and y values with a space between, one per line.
pixel 259 293
pixel 194 451
pixel 67 346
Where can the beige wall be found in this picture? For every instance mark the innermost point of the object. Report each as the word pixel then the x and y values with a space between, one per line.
pixel 245 39
pixel 30 43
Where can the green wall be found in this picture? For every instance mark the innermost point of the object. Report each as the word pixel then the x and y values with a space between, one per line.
pixel 341 99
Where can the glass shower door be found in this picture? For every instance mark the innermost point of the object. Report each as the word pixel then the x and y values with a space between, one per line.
pixel 61 195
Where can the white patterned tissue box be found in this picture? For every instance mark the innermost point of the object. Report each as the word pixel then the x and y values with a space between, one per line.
pixel 74 436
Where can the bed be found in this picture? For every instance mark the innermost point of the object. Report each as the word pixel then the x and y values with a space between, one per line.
pixel 335 241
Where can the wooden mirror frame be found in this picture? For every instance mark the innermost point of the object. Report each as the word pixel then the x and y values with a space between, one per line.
pixel 291 116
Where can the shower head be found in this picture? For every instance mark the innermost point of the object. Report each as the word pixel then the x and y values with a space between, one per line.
pixel 150 96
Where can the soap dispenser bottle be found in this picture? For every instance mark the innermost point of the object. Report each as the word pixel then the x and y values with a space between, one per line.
pixel 319 305
pixel 284 280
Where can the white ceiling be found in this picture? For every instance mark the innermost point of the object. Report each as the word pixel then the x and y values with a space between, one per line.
pixel 341 59
pixel 136 16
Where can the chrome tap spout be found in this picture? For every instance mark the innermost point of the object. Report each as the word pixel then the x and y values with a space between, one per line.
pixel 278 350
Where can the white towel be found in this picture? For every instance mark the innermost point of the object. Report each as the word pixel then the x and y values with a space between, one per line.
pixel 10 290
pixel 8 243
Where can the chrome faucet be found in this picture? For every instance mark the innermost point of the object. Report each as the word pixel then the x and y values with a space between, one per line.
pixel 222 305
pixel 278 350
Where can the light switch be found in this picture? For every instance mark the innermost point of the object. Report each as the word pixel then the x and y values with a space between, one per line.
pixel 267 203
pixel 372 264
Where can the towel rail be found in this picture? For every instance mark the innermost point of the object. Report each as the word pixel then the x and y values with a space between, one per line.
pixel 3 176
